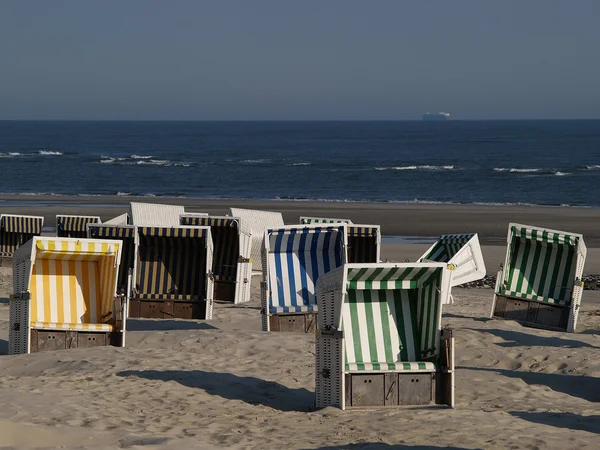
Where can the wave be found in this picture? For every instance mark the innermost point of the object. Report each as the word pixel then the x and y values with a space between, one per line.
pixel 255 161
pixel 421 167
pixel 533 171
pixel 301 164
pixel 141 156
pixel 49 153
pixel 593 167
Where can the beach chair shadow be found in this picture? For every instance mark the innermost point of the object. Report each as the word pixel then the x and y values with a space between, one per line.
pixel 460 316
pixel 3 347
pixel 517 339
pixel 4 300
pixel 382 446
pixel 574 385
pixel 253 391
pixel 162 324
pixel 570 421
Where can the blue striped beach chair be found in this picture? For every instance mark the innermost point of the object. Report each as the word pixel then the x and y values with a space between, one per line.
pixel 74 226
pixel 294 257
pixel 173 273
pixel 364 243
pixel 540 284
pixel 258 221
pixel 16 230
pixel 380 340
pixel 65 295
pixel 125 234
pixel 463 252
pixel 313 220
pixel 232 264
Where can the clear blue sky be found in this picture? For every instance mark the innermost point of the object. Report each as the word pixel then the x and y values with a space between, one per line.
pixel 311 59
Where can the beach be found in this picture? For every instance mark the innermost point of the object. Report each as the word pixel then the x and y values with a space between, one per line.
pixel 225 383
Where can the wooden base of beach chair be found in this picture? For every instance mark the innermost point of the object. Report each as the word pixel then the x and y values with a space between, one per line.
pixel 532 313
pixel 47 340
pixel 166 309
pixel 377 389
pixel 224 291
pixel 299 323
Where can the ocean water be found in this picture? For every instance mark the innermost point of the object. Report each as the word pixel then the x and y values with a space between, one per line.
pixel 496 162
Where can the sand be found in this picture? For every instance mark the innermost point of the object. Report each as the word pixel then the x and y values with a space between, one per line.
pixel 225 383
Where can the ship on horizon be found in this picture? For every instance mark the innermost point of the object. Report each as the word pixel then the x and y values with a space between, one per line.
pixel 436 116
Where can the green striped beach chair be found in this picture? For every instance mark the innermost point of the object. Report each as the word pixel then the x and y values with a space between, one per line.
pixel 74 226
pixel 16 230
pixel 309 220
pixel 540 283
pixel 232 264
pixel 379 339
pixel 463 252
pixel 173 273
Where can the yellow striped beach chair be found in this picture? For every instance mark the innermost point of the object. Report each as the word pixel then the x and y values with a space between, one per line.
pixel 173 273
pixel 379 338
pixel 65 295
pixel 74 226
pixel 232 264
pixel 540 283
pixel 16 230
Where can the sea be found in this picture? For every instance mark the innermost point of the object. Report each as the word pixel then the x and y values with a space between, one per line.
pixel 465 162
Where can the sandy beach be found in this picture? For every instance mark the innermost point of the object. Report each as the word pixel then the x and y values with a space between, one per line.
pixel 225 383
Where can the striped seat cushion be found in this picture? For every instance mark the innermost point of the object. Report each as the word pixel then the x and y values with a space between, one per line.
pixel 294 309
pixel 396 367
pixel 73 326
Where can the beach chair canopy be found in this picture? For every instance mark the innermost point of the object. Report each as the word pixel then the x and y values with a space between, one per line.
pixel 71 282
pixel 173 262
pixel 122 219
pixel 15 230
pixel 258 221
pixel 155 215
pixel 463 252
pixel 364 243
pixel 295 257
pixel 390 314
pixel 542 265
pixel 74 226
pixel 309 220
pixel 124 233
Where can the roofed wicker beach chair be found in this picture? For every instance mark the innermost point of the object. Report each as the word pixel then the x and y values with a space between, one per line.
pixel 294 257
pixel 540 284
pixel 463 252
pixel 125 234
pixel 16 230
pixel 122 219
pixel 258 221
pixel 172 277
pixel 364 243
pixel 155 214
pixel 65 295
pixel 232 264
pixel 74 226
pixel 309 220
pixel 379 338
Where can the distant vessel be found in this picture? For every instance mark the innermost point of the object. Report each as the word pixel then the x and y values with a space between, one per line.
pixel 436 116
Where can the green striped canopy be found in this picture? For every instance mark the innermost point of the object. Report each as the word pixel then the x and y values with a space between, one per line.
pixel 447 246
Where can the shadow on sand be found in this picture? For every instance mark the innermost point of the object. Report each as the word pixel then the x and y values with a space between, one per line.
pixel 383 446
pixel 254 391
pixel 518 339
pixel 4 300
pixel 573 385
pixel 561 420
pixel 3 347
pixel 166 325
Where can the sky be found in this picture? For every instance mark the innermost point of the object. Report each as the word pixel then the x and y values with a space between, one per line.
pixel 299 60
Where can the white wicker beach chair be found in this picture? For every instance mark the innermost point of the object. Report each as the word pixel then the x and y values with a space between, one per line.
pixel 155 215
pixel 294 257
pixel 65 295
pixel 122 219
pixel 540 283
pixel 379 338
pixel 232 264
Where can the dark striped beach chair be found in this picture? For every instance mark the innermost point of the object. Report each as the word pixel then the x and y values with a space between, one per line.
pixel 379 338
pixel 232 264
pixel 540 283
pixel 125 234
pixel 16 230
pixel 364 243
pixel 258 221
pixel 309 220
pixel 74 226
pixel 173 277
pixel 463 252
pixel 65 295
pixel 294 257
